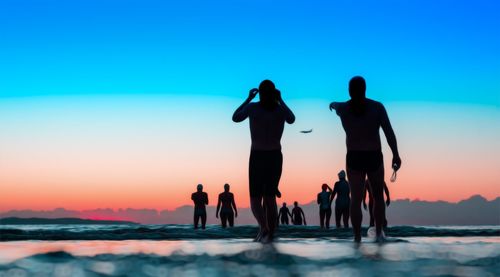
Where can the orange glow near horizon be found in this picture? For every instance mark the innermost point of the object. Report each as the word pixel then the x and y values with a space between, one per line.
pixel 156 162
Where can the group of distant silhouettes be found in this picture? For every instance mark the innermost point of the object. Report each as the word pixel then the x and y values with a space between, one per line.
pixel 361 119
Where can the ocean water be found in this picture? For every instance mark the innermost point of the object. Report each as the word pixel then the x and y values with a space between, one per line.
pixel 177 250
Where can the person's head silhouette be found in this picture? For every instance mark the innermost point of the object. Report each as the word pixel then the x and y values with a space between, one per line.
pixel 357 89
pixel 296 203
pixel 226 187
pixel 342 175
pixel 324 187
pixel 267 94
pixel 284 204
pixel 199 188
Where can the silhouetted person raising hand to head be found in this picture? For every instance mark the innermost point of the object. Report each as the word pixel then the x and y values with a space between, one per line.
pixel 283 214
pixel 200 200
pixel 342 191
pixel 226 213
pixel 298 216
pixel 267 122
pixel 325 206
pixel 361 119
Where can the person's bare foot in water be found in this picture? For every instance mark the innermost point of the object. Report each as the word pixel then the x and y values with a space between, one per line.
pixel 260 235
pixel 267 238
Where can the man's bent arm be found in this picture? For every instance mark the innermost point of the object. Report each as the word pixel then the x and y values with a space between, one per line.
pixel 241 112
pixel 289 116
pixel 391 137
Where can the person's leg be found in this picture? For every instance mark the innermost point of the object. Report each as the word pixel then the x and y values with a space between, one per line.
pixel 370 209
pixel 259 214
pixel 286 220
pixel 346 217
pixel 230 219
pixel 356 184
pixel 274 165
pixel 322 214
pixel 271 214
pixel 203 220
pixel 255 173
pixel 337 216
pixel 328 215
pixel 196 218
pixel 223 219
pixel 377 187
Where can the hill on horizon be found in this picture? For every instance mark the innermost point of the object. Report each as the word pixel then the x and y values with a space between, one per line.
pixel 56 221
pixel 475 210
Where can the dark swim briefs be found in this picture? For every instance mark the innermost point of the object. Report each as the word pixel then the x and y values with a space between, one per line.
pixel 265 172
pixel 364 160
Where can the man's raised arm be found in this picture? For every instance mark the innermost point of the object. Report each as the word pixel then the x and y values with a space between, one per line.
pixel 241 112
pixel 289 116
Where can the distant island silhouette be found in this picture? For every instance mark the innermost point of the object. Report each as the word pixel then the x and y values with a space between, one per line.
pixel 57 221
pixel 475 210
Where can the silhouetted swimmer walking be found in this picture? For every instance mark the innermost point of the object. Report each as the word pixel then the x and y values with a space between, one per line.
pixel 325 206
pixel 362 118
pixel 341 189
pixel 370 202
pixel 267 121
pixel 283 214
pixel 298 216
pixel 226 199
pixel 200 200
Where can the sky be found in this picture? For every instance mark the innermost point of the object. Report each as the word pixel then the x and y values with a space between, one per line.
pixel 116 104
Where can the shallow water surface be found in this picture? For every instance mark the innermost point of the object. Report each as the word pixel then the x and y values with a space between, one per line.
pixel 416 256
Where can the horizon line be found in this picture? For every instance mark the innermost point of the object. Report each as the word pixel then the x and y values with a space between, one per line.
pixel 242 207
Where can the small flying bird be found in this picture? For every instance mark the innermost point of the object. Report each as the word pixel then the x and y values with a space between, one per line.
pixel 306 131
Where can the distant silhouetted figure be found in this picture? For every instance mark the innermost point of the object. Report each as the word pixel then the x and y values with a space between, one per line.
pixel 267 121
pixel 226 213
pixel 325 206
pixel 362 118
pixel 283 214
pixel 341 189
pixel 370 202
pixel 200 200
pixel 298 215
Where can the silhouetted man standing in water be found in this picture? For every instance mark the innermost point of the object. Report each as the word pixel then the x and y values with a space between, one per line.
pixel 341 189
pixel 200 200
pixel 325 206
pixel 267 121
pixel 283 214
pixel 362 118
pixel 366 191
pixel 298 215
pixel 226 213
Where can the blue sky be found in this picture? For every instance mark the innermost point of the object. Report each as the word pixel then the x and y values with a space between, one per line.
pixel 134 98
pixel 438 51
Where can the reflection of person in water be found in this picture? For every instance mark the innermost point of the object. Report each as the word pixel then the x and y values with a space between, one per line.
pixel 361 119
pixel 298 214
pixel 370 202
pixel 226 213
pixel 200 200
pixel 325 206
pixel 267 122
pixel 283 214
pixel 341 189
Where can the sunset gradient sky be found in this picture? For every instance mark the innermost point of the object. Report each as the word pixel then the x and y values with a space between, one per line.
pixel 128 103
